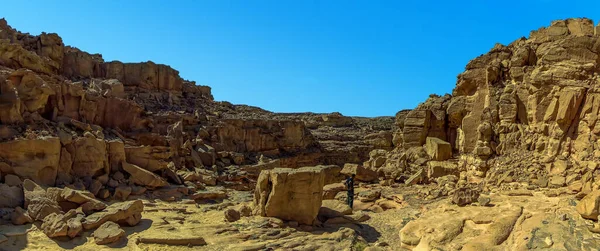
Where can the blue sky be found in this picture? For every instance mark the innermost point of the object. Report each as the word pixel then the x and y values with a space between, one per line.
pixel 361 58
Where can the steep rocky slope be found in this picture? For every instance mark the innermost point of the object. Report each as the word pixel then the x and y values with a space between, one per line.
pixel 535 99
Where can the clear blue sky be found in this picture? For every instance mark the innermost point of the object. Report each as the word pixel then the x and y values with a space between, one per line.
pixel 365 58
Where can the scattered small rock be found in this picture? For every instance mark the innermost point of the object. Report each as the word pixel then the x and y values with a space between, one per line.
pixel 232 215
pixel 245 210
pixel 484 201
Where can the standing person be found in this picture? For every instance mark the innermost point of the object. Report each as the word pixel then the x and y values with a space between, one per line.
pixel 350 187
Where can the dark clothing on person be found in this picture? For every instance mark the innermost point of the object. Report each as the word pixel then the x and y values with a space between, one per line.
pixel 350 187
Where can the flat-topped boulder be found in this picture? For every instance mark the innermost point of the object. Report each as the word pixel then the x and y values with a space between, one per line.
pixel 438 149
pixel 290 194
pixel 129 213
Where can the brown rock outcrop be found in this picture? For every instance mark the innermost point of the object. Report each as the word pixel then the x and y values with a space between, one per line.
pixel 261 136
pixel 129 213
pixel 437 169
pixel 35 159
pixel 147 157
pixel 438 149
pixel 88 156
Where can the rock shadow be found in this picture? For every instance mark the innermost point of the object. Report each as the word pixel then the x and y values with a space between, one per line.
pixel 369 233
pixel 18 242
pixel 68 243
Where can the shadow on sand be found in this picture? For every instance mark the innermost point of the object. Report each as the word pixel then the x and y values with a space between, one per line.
pixel 370 234
pixel 17 236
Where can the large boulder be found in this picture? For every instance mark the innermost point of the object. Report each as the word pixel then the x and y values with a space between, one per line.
pixel 438 149
pixel 369 195
pixel 290 194
pixel 589 206
pixel 362 173
pixel 129 213
pixel 85 199
pixel 143 177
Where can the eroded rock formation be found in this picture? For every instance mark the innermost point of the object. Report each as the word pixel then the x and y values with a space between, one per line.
pixel 82 139
pixel 290 194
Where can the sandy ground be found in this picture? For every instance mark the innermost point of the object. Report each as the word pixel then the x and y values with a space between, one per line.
pixel 186 219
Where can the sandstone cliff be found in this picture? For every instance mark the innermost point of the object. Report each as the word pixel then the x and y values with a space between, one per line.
pixel 525 111
pixel 68 116
pixel 534 98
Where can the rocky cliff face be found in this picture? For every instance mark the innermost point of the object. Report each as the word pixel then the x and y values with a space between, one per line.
pixel 67 116
pixel 535 99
